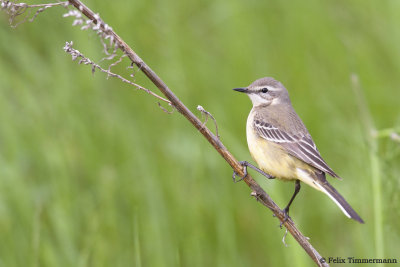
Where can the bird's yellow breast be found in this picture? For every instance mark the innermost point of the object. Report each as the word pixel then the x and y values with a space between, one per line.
pixel 271 157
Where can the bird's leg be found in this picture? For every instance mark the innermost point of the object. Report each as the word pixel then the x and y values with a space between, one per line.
pixel 245 164
pixel 286 209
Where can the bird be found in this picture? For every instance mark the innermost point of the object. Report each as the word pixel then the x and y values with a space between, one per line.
pixel 281 145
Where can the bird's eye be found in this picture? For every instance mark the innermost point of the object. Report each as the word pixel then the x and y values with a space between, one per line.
pixel 264 90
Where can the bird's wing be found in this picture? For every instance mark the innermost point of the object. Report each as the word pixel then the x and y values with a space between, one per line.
pixel 300 146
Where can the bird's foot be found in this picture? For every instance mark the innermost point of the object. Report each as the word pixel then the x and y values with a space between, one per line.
pixel 243 163
pixel 286 212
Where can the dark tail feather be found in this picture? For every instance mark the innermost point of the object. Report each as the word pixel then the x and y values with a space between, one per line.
pixel 339 200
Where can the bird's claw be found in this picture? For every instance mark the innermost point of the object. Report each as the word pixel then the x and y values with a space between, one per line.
pixel 286 212
pixel 236 174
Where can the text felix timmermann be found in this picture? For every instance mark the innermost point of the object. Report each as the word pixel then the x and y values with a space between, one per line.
pixel 358 260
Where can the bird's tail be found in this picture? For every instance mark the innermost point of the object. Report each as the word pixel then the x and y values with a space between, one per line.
pixel 325 187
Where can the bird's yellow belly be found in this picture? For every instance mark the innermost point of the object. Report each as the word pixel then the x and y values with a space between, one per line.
pixel 272 159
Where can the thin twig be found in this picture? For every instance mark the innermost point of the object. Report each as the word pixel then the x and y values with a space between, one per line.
pixel 206 115
pixel 17 9
pixel 86 61
pixel 164 109
pixel 284 238
pixel 9 3
pixel 260 194
pixel 116 62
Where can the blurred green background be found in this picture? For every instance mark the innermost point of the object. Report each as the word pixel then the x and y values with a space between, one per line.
pixel 93 173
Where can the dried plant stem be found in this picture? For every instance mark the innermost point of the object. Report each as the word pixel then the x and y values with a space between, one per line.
pixel 37 5
pixel 258 192
pixel 17 9
pixel 86 61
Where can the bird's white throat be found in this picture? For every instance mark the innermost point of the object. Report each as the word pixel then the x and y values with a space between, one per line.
pixel 257 100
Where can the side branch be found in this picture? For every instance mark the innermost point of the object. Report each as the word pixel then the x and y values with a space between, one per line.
pixel 258 192
pixel 84 60
pixel 16 9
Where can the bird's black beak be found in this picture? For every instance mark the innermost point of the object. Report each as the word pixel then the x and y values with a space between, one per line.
pixel 242 90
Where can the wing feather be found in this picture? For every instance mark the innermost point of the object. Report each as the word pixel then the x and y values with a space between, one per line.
pixel 300 146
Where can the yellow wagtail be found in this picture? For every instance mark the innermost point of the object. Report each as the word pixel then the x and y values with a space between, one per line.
pixel 281 145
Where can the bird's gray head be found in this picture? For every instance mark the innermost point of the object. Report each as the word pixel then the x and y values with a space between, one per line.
pixel 266 91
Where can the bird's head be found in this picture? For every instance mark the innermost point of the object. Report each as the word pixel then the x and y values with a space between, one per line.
pixel 266 91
